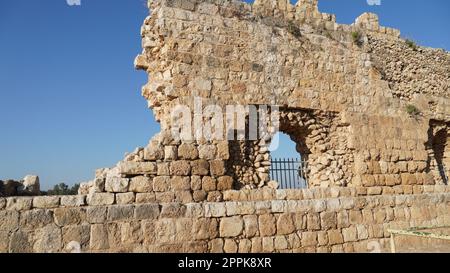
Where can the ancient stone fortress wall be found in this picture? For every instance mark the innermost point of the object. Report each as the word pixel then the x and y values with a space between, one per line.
pixel 316 220
pixel 366 109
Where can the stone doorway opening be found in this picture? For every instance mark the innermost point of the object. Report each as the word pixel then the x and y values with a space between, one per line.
pixel 439 151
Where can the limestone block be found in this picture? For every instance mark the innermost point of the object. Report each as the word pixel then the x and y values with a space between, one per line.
pixel 137 168
pixel 207 152
pixel 224 183
pixel 328 220
pixel 36 218
pixel 125 198
pixel 69 216
pixel 313 221
pixel 98 238
pixel 195 210
pixel 200 167
pixel 140 184
pixel 187 151
pixel 335 237
pixel 209 183
pixel 163 168
pixel 285 224
pixel 146 211
pixel 120 212
pixel 170 153
pixel 172 210
pixel 100 199
pixel 161 183
pixel 19 203
pixel 267 225
pixel 309 238
pixel 180 168
pixel 230 246
pixel 46 202
pixel 217 167
pixel 145 197
pixel 78 233
pixel 73 201
pixel 117 184
pixel 10 220
pixel 215 210
pixel 180 183
pixel 154 152
pixel 96 215
pixel 231 226
pixel 48 240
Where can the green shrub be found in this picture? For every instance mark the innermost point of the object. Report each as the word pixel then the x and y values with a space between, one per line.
pixel 412 110
pixel 411 44
pixel 357 38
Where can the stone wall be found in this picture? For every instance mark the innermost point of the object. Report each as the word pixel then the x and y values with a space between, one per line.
pixel 334 220
pixel 368 111
pixel 360 103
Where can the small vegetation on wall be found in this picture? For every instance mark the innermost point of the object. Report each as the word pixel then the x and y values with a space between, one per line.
pixel 412 110
pixel 411 44
pixel 357 38
pixel 294 30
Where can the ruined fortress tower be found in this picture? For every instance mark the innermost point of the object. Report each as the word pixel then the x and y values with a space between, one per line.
pixel 368 110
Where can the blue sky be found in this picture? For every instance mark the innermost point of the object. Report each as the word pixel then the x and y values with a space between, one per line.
pixel 69 95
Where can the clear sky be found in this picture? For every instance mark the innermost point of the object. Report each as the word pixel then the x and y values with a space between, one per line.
pixel 69 95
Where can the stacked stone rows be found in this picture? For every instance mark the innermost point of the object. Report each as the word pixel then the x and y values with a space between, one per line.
pixel 344 224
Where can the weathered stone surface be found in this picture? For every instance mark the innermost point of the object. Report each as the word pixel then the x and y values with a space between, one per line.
pixel 285 224
pixel 180 183
pixel 250 225
pixel 145 198
pixel 200 167
pixel 224 183
pixel 180 168
pixel 96 215
pixel 76 233
pixel 117 184
pixel 173 210
pixel 267 225
pixel 37 218
pixel 18 203
pixel 161 183
pixel 141 184
pixel 69 216
pixel 120 212
pixel 187 151
pixel 217 167
pixel 100 199
pixel 48 240
pixel 215 210
pixel 20 242
pixel 98 238
pixel 45 202
pixel 231 226
pixel 209 183
pixel 9 220
pixel 73 201
pixel 146 211
pixel 137 168
pixel 125 198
